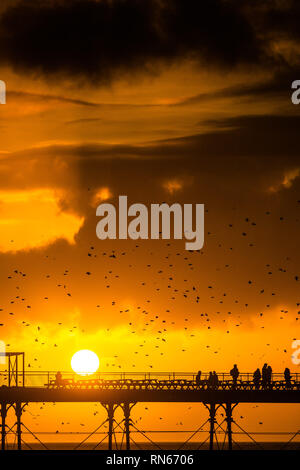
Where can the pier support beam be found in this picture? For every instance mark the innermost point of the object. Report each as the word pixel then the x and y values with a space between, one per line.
pixel 126 409
pixel 19 409
pixel 229 423
pixel 3 425
pixel 110 412
pixel 212 420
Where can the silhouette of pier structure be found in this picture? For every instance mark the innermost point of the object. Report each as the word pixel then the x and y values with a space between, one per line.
pixel 19 388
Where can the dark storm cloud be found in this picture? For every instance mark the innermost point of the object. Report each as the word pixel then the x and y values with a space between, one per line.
pixel 266 138
pixel 259 137
pixel 280 17
pixel 242 155
pixel 243 150
pixel 278 86
pixel 252 139
pixel 99 40
pixel 46 98
pixel 22 95
pixel 255 145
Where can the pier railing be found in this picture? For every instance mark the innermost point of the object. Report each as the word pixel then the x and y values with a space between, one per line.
pixel 46 378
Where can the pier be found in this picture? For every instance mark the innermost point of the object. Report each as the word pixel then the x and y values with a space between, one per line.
pixel 19 388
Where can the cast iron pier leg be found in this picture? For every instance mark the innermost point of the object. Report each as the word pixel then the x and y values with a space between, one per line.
pixel 212 414
pixel 229 421
pixel 110 412
pixel 127 424
pixel 3 425
pixel 19 430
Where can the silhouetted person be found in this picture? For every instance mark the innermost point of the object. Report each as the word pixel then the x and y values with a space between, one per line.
pixel 215 380
pixel 256 378
pixel 58 379
pixel 287 377
pixel 210 380
pixel 264 375
pixel 198 378
pixel 234 374
pixel 269 376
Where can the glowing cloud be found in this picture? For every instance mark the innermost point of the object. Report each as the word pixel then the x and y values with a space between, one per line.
pixel 101 194
pixel 33 218
pixel 287 181
pixel 172 186
pixel 290 176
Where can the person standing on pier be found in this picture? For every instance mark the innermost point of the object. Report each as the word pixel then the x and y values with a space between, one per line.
pixel 287 377
pixel 58 379
pixel 269 376
pixel 198 378
pixel 256 378
pixel 210 380
pixel 234 374
pixel 264 375
pixel 215 379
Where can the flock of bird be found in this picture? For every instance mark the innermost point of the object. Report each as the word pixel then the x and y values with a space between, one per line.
pixel 173 290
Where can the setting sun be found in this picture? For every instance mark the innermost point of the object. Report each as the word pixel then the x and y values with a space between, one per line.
pixel 85 362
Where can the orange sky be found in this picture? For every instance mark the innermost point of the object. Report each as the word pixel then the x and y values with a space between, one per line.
pixel 175 132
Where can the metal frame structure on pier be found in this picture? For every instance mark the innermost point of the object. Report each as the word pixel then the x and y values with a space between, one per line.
pixel 117 395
